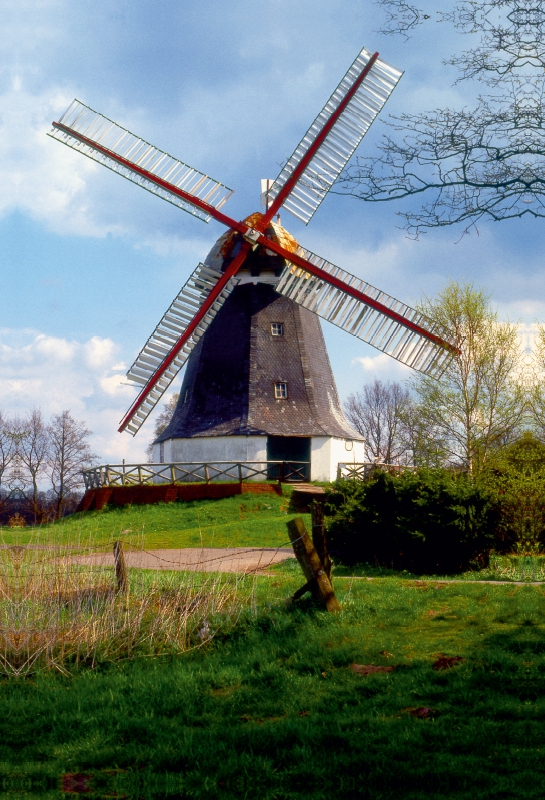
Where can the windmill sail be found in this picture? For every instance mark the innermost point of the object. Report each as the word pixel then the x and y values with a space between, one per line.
pixel 383 322
pixel 332 138
pixel 139 161
pixel 154 368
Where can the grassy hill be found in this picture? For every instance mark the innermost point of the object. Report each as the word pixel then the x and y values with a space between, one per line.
pixel 246 520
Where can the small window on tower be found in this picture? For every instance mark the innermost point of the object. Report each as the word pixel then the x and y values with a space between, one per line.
pixel 281 391
pixel 277 328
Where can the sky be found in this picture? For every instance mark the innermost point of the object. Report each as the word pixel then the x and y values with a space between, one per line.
pixel 90 262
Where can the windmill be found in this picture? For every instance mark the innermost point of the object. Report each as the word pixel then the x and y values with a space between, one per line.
pixel 258 263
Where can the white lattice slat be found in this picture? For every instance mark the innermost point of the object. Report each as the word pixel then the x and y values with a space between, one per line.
pixel 168 332
pixel 345 135
pixel 369 324
pixel 120 150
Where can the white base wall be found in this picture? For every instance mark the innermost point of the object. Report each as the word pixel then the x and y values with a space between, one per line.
pixel 325 452
pixel 212 448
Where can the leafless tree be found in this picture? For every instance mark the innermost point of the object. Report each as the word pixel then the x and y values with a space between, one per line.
pixel 470 164
pixel 512 33
pixel 33 451
pixel 474 164
pixel 425 441
pixel 7 457
pixel 7 447
pixel 378 414
pixel 68 453
pixel 162 421
pixel 401 18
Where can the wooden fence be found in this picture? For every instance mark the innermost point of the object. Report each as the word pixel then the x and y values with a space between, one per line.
pixel 109 475
pixel 359 472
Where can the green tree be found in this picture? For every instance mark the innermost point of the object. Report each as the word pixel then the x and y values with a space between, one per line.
pixel 536 387
pixel 516 477
pixel 478 405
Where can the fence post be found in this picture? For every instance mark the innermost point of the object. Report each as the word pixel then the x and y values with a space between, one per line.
pixel 318 536
pixel 120 567
pixel 317 581
pixel 206 474
pixel 239 465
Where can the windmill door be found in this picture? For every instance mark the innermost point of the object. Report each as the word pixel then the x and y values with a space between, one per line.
pixel 294 451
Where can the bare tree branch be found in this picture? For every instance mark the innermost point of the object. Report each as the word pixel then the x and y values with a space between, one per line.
pixel 377 413
pixel 484 163
pixel 401 17
pixel 473 164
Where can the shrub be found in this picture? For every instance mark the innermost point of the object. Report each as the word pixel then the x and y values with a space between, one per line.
pixel 515 475
pixel 428 521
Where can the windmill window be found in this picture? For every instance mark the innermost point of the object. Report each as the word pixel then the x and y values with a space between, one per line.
pixel 281 391
pixel 277 328
pixel 186 396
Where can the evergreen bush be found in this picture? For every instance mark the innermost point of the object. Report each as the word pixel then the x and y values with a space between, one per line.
pixel 426 521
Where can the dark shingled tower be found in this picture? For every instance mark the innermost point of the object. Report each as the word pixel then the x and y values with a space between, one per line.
pixel 258 342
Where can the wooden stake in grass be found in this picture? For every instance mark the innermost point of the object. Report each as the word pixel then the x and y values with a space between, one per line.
pixel 318 536
pixel 317 580
pixel 120 567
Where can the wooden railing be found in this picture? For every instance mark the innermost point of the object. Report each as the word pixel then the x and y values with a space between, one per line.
pixel 195 472
pixel 359 472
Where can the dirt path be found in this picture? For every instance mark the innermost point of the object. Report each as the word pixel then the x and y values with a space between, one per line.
pixel 197 559
pixel 237 559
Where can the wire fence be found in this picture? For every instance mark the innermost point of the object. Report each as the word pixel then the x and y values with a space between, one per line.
pixel 62 603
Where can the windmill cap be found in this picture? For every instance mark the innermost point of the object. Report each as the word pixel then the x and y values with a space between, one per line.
pixel 226 244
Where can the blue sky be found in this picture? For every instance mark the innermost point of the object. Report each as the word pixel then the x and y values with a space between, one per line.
pixel 90 261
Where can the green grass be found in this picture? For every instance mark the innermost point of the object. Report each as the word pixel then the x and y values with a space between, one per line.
pixel 511 568
pixel 271 708
pixel 248 520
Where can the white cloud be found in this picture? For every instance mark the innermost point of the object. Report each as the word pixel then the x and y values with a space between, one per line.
pixel 54 374
pixel 53 348
pixel 382 367
pixel 38 176
pixel 99 352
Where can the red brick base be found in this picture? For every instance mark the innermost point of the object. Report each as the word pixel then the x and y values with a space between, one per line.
pixel 95 499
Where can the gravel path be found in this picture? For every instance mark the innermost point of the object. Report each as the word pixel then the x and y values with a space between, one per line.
pixel 197 559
